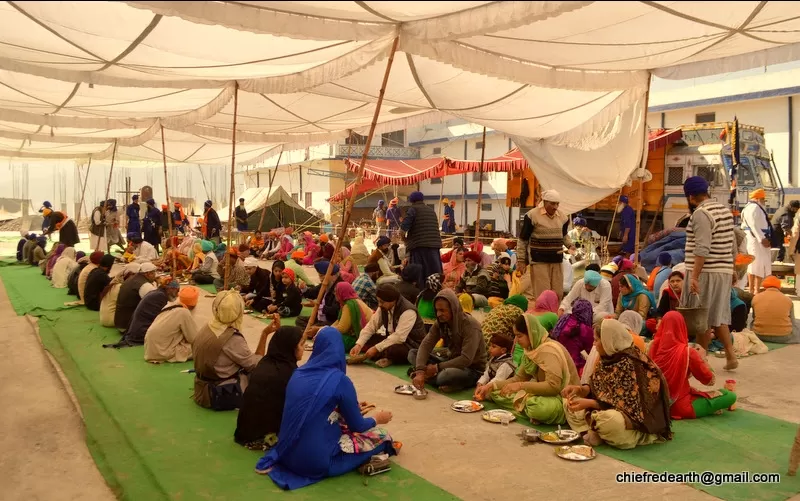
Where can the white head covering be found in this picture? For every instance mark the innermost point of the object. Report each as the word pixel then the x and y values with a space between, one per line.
pixel 131 268
pixel 551 196
pixel 147 268
pixel 250 262
pixel 227 311
pixel 614 336
pixel 632 321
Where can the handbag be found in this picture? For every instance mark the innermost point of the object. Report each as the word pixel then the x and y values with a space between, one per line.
pixel 226 395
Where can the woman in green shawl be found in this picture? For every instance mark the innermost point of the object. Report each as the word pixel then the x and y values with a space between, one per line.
pixel 544 371
pixel 353 314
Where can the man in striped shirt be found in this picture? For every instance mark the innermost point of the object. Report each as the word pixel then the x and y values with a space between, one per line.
pixel 710 253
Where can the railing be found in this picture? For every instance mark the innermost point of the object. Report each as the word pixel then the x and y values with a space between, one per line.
pixel 357 150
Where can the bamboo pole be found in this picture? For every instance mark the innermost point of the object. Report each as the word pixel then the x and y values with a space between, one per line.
pixel 83 192
pixel 480 189
pixel 613 218
pixel 166 191
pixel 269 190
pixel 108 189
pixel 233 187
pixel 351 202
pixel 441 195
pixel 642 166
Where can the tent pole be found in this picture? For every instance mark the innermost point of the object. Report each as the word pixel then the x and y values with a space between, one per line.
pixel 641 178
pixel 480 189
pixel 108 188
pixel 269 191
pixel 83 192
pixel 233 187
pixel 613 218
pixel 441 196
pixel 169 219
pixel 351 201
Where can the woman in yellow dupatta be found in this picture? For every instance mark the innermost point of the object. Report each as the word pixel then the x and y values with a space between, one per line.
pixel 544 371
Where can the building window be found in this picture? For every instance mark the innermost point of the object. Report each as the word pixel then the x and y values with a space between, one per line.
pixel 396 139
pixel 355 139
pixel 436 180
pixel 296 197
pixel 486 207
pixel 437 151
pixel 477 177
pixel 702 118
pixel 479 145
pixel 309 201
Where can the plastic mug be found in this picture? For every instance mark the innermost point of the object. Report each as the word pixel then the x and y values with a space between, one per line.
pixel 730 385
pixel 505 420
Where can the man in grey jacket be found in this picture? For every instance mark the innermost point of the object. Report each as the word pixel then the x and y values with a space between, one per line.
pixel 464 342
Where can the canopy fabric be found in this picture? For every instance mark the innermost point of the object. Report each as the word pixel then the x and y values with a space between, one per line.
pixel 507 162
pixel 660 138
pixel 399 172
pixel 366 185
pixel 77 76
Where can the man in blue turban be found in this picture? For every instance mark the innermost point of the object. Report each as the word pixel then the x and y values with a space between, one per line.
pixel 379 215
pixel 585 239
pixel 423 240
pixel 627 225
pixel 594 289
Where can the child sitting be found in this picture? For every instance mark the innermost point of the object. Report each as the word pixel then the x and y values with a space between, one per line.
pixel 289 303
pixel 500 367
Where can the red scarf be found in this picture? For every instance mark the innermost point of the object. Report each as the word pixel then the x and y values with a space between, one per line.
pixel 670 351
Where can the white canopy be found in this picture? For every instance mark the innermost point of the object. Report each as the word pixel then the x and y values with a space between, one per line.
pixel 566 79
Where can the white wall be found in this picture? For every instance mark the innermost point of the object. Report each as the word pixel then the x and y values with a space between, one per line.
pixel 770 113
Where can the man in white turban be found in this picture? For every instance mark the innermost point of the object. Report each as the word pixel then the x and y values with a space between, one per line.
pixel 541 244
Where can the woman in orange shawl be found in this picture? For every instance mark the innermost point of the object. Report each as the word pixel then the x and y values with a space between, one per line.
pixel 454 270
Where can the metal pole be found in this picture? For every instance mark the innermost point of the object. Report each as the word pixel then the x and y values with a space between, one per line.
pixel 108 188
pixel 233 188
pixel 351 202
pixel 169 218
pixel 480 188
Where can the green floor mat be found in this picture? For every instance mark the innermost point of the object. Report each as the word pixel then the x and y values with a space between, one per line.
pixel 150 441
pixel 734 442
pixel 30 292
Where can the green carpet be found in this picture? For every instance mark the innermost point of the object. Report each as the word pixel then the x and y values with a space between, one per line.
pixel 149 440
pixel 734 442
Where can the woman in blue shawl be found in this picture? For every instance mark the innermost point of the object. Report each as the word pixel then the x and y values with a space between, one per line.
pixel 323 433
pixel 635 297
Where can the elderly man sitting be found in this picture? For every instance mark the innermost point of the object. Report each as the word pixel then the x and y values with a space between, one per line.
pixel 146 312
pixel 131 292
pixel 594 289
pixel 476 280
pixel 390 335
pixel 143 252
pixel 169 338
pixel 463 338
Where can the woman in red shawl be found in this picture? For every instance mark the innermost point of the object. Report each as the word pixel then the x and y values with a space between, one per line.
pixel 287 245
pixel 671 352
pixel 311 249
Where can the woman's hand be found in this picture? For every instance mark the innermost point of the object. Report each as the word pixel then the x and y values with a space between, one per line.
pixel 383 417
pixel 572 390
pixel 510 389
pixel 482 391
pixel 579 404
pixel 273 326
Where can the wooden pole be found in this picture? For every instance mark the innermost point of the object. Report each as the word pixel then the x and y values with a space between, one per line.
pixel 169 218
pixel 233 187
pixel 269 190
pixel 613 218
pixel 643 166
pixel 83 192
pixel 351 201
pixel 108 188
pixel 480 189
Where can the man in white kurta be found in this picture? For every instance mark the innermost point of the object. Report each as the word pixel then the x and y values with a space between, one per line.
pixel 143 251
pixel 169 338
pixel 593 289
pixel 756 227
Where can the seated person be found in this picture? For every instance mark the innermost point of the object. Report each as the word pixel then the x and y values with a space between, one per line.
pixel 328 311
pixel 594 289
pixel 238 278
pixel 458 243
pixel 476 278
pixel 296 265
pixel 63 267
pixel 383 258
pixel 454 269
pixel 173 256
pixel 23 255
pixel 358 251
pixel 348 269
pixel 207 271
pixel 258 286
pixel 146 312
pixel 222 358
pixel 500 273
pixel 257 244
pixel 424 304
pixel 773 314
pixel 354 314
pixel 464 341
pixel 94 261
pixel 408 285
pixel 132 291
pixel 500 321
pixel 633 296
pixel 38 254
pixel 169 338
pixel 326 247
pixel 739 313
pixel 660 273
pixel 288 300
pixel 670 352
pixel 75 275
pixel 365 285
pixel 671 296
pixel 143 251
pixel 392 332
pixel 574 331
pixel 544 371
pixel 110 295
pixel 633 321
pixel 642 416
pixel 97 280
pixel 323 433
pixel 500 366
pixel 260 415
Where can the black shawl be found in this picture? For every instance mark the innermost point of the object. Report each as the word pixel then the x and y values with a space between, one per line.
pixel 262 404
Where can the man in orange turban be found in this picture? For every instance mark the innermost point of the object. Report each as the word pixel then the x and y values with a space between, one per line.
pixel 758 231
pixel 169 338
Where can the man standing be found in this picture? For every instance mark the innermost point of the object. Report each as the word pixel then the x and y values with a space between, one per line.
pixel 448 214
pixel 97 228
pixel 756 226
pixel 241 221
pixel 379 214
pixel 782 222
pixel 132 213
pixel 541 241
pixel 627 226
pixel 710 253
pixel 452 221
pixel 45 219
pixel 113 235
pixel 213 225
pixel 151 224
pixel 423 240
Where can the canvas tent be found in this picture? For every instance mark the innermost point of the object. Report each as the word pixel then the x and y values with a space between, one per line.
pixel 567 80
pixel 281 210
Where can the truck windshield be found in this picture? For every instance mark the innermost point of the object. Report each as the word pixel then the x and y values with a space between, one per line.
pixel 713 174
pixel 701 136
pixel 765 173
pixel 745 175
